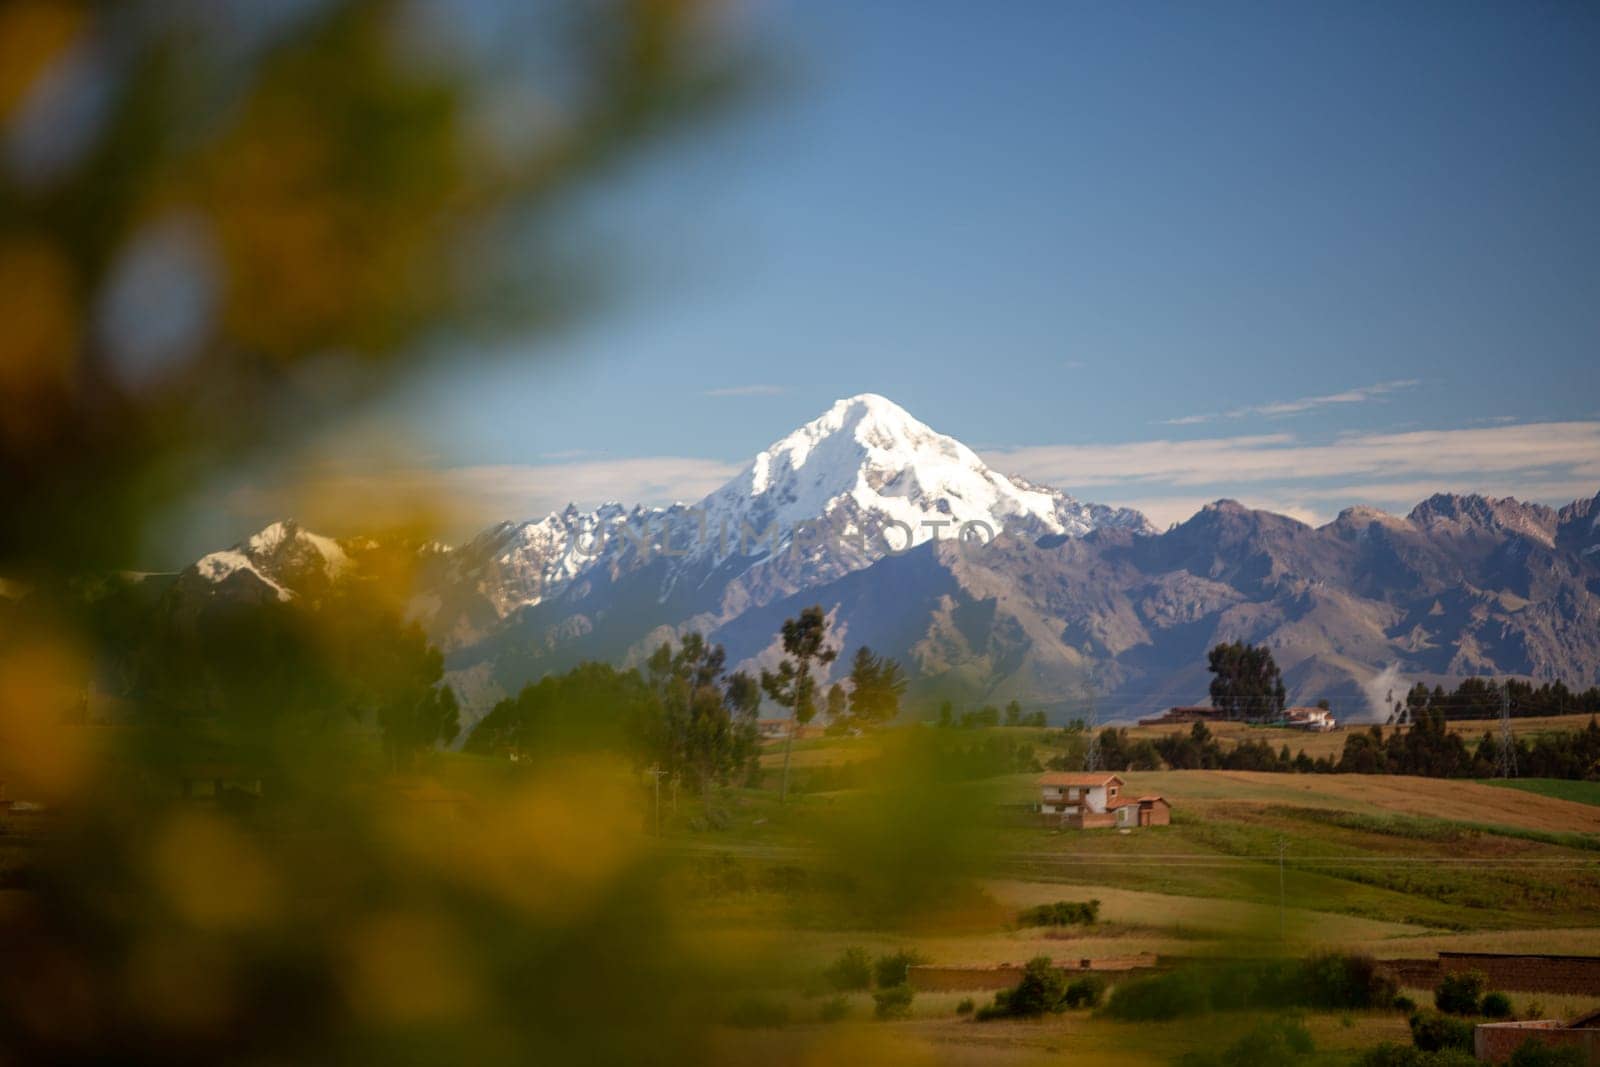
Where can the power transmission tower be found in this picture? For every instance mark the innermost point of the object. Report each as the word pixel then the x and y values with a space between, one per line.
pixel 1091 723
pixel 1508 743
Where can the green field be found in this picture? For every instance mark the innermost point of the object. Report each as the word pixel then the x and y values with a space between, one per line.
pixel 1387 866
pixel 1579 792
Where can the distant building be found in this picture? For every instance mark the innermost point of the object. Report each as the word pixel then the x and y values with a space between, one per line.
pixel 1088 801
pixel 1317 720
pixel 1186 713
pixel 1495 1042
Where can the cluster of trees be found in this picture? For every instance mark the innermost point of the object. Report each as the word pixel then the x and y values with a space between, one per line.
pixel 1430 750
pixel 1245 682
pixel 1480 698
pixel 989 715
pixel 244 678
pixel 686 714
pixel 1427 749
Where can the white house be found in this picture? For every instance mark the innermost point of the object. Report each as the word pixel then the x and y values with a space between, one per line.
pixel 1090 800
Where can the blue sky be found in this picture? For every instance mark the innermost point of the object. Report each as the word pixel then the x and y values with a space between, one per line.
pixel 1302 255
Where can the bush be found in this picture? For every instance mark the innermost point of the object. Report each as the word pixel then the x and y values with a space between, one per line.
pixel 759 1012
pixel 834 1009
pixel 1337 981
pixel 852 970
pixel 1496 1006
pixel 1085 992
pixel 893 1003
pixel 965 1007
pixel 1433 1031
pixel 1535 1053
pixel 895 970
pixel 1458 993
pixel 1268 1045
pixel 1061 913
pixel 1404 1004
pixel 1161 996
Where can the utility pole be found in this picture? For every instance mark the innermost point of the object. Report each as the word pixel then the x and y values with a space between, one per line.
pixel 1283 899
pixel 1508 743
pixel 656 772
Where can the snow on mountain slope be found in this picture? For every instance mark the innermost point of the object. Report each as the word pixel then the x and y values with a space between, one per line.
pixel 867 463
pixel 864 471
pixel 281 557
pixel 861 481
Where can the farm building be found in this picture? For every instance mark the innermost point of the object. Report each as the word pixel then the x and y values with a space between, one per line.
pixel 1496 1042
pixel 1185 713
pixel 1317 720
pixel 1095 800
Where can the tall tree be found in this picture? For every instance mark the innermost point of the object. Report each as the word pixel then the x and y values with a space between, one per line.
pixel 876 685
pixel 794 685
pixel 1246 683
pixel 707 728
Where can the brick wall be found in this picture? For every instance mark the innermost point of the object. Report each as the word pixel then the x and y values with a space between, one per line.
pixel 1529 974
pixel 1495 1042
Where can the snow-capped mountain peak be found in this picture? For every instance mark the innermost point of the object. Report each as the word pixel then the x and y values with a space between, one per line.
pixel 278 558
pixel 867 465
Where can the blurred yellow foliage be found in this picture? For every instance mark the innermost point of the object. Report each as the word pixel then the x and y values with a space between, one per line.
pixel 33 34
pixel 213 875
pixel 45 752
pixel 38 341
pixel 408 967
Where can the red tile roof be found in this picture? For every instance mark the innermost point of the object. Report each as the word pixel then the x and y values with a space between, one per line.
pixel 1078 778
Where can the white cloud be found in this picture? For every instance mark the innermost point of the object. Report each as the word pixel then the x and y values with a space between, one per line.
pixel 458 501
pixel 1283 408
pixel 1169 480
pixel 748 390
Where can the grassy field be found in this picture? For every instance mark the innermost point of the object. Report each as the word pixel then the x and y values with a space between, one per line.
pixel 1581 792
pixel 1389 866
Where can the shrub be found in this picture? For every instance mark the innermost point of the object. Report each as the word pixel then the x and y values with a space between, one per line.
pixel 1061 913
pixel 758 1012
pixel 895 970
pixel 893 1003
pixel 965 1007
pixel 1405 1004
pixel 1458 993
pixel 1535 1053
pixel 1268 1045
pixel 852 970
pixel 1337 981
pixel 1496 1006
pixel 834 1009
pixel 1085 992
pixel 1433 1031
pixel 1161 996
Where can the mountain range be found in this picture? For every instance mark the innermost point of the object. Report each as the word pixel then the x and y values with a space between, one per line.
pixel 987 587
